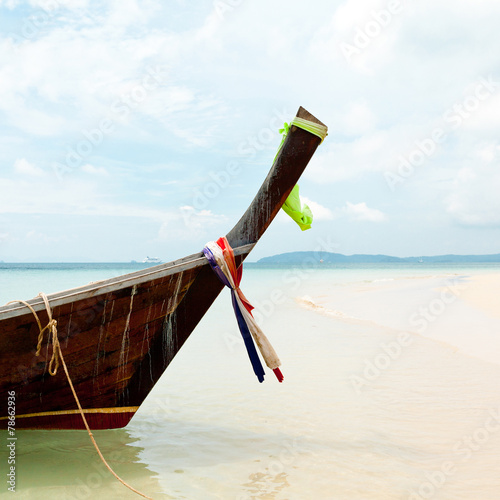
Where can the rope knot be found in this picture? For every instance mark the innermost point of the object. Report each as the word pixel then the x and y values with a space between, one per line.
pixel 51 327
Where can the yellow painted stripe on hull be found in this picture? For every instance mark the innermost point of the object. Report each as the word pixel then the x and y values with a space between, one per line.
pixel 122 409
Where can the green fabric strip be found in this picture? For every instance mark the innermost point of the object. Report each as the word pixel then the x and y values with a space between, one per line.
pixel 299 212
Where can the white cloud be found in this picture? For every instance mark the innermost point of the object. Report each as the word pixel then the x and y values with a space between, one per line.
pixel 76 196
pixel 221 86
pixel 485 120
pixel 320 212
pixel 100 66
pixel 49 5
pixel 4 237
pixel 361 212
pixel 359 118
pixel 486 153
pixel 10 4
pixel 124 13
pixel 36 237
pixel 339 161
pixel 105 59
pixel 474 199
pixel 352 211
pixel 187 223
pixel 24 167
pixel 90 169
pixel 361 37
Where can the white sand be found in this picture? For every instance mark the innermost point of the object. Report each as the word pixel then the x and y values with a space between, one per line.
pixel 483 292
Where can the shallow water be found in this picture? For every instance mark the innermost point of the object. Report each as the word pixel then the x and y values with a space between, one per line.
pixel 366 411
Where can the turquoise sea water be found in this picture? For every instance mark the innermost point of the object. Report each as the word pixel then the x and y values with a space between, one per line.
pixel 26 280
pixel 378 402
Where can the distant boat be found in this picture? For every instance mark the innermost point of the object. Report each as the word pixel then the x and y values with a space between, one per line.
pixel 119 335
pixel 152 260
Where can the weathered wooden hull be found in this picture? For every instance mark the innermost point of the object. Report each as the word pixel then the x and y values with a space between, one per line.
pixel 116 345
pixel 118 336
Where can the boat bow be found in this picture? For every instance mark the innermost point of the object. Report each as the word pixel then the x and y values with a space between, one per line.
pixel 119 335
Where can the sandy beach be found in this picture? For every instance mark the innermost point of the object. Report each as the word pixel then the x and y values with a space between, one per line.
pixel 461 310
pixel 483 292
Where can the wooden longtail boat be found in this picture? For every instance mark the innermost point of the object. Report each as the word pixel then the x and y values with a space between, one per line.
pixel 119 335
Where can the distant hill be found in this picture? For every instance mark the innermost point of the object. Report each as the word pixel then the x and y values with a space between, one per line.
pixel 338 258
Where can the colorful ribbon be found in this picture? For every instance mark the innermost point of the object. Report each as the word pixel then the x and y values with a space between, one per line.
pixel 220 256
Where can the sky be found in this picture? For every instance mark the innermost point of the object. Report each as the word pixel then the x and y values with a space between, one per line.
pixel 145 128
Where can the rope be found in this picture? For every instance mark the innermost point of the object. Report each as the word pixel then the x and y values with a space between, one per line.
pixel 51 327
pixel 58 355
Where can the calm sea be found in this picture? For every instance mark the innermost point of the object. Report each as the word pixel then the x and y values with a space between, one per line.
pixel 391 391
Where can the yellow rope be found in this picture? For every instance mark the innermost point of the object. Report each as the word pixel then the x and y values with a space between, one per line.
pixel 51 327
pixel 58 355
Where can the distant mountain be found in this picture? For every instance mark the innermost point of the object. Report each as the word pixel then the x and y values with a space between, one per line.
pixel 338 258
